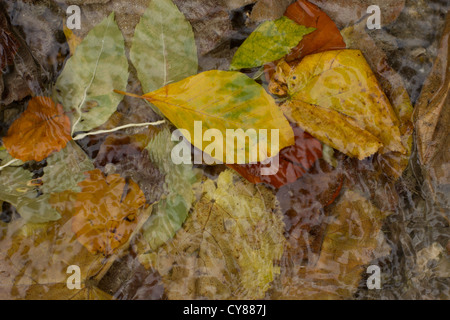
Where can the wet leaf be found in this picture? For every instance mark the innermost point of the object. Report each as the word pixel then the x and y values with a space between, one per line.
pixel 432 117
pixel 325 37
pixel 41 130
pixel 173 209
pixel 223 100
pixel 335 97
pixel 269 42
pixel 65 169
pixel 8 43
pixel 391 163
pixel 99 65
pixel 351 238
pixel 294 161
pixel 18 188
pixel 34 260
pixel 163 49
pixel 106 211
pixel 228 247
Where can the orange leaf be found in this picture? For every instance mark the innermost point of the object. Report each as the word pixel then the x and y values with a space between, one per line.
pixel 326 36
pixel 106 211
pixel 41 130
pixel 295 161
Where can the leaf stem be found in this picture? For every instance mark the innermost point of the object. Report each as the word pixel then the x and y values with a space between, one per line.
pixel 8 164
pixel 131 125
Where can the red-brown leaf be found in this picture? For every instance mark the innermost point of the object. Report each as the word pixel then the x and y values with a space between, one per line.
pixel 295 161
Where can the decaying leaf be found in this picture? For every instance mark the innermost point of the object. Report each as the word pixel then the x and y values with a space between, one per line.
pixel 351 237
pixel 325 37
pixel 34 262
pixel 173 209
pixel 65 169
pixel 163 49
pixel 99 65
pixel 224 100
pixel 294 161
pixel 432 117
pixel 335 97
pixel 18 188
pixel 228 247
pixel 106 211
pixel 8 43
pixel 392 163
pixel 41 130
pixel 269 42
pixel 269 9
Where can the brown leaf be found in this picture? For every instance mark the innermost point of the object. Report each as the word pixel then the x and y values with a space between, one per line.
pixel 432 118
pixel 295 161
pixel 8 43
pixel 351 238
pixel 106 211
pixel 41 130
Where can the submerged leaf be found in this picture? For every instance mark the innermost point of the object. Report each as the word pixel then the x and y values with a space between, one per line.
pixel 65 169
pixel 41 130
pixel 98 66
pixel 18 188
pixel 350 241
pixel 269 42
pixel 224 100
pixel 172 210
pixel 228 247
pixel 106 211
pixel 335 97
pixel 294 162
pixel 163 49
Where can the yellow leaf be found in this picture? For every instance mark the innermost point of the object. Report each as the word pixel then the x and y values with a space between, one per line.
pixel 229 247
pixel 342 81
pixel 225 101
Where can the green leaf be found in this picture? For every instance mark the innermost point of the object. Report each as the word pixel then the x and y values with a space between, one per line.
pixel 99 65
pixel 5 157
pixel 172 211
pixel 271 41
pixel 163 49
pixel 15 188
pixel 65 169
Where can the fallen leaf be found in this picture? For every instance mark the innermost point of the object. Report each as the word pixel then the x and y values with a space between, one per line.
pixel 65 169
pixel 223 100
pixel 228 247
pixel 18 188
pixel 269 42
pixel 106 211
pixel 294 161
pixel 122 154
pixel 173 209
pixel 8 43
pixel 335 97
pixel 85 86
pixel 303 203
pixel 326 37
pixel 163 49
pixel 432 118
pixel 391 163
pixel 41 130
pixel 351 239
